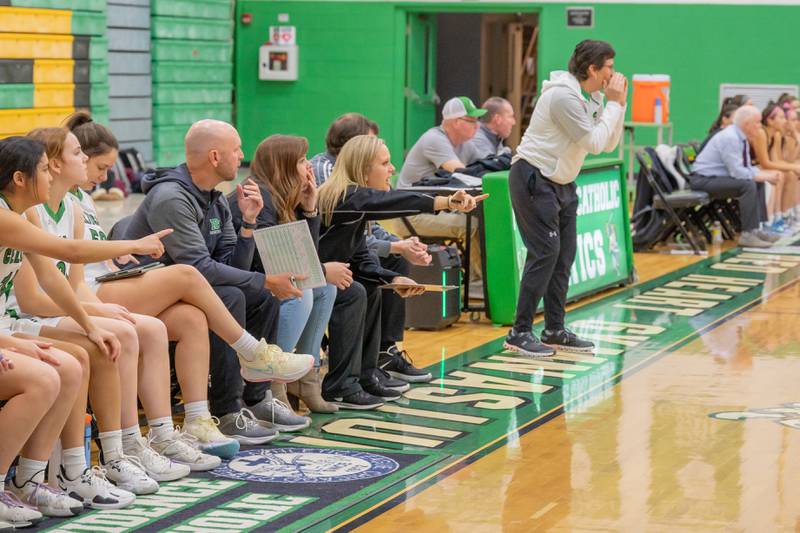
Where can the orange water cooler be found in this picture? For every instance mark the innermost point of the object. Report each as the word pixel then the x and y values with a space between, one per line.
pixel 650 93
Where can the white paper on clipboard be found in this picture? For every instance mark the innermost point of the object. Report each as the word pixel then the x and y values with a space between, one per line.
pixel 290 248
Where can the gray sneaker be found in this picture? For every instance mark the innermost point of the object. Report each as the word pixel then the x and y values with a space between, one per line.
pixel 246 428
pixel 768 236
pixel 278 414
pixel 749 239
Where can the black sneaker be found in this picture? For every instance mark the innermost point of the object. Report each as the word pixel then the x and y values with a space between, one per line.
pixel 361 400
pixel 374 386
pixel 525 343
pixel 567 341
pixel 389 382
pixel 399 365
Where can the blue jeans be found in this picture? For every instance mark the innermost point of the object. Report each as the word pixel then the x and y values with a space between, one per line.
pixel 303 321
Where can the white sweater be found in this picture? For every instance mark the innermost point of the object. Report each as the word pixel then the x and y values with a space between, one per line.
pixel 565 127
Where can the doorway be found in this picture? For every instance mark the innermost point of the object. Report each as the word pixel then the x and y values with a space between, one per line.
pixel 469 54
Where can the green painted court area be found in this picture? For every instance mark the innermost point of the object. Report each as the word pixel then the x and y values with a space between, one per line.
pixel 345 469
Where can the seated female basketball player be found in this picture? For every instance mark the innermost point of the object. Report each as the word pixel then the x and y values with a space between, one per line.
pixel 25 182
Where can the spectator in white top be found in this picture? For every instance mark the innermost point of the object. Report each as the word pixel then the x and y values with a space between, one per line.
pixel 495 127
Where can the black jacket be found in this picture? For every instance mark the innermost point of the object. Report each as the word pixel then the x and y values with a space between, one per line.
pixel 345 239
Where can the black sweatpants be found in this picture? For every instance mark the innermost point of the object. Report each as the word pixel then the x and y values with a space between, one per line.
pixel 546 214
pixel 393 307
pixel 354 333
pixel 746 191
pixel 259 316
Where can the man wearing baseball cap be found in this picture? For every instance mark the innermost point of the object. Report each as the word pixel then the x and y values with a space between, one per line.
pixel 436 149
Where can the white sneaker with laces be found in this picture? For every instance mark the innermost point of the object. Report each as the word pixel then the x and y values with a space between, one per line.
pixel 209 438
pixel 46 499
pixel 179 448
pixel 155 464
pixel 273 364
pixel 16 513
pixel 6 527
pixel 94 490
pixel 129 473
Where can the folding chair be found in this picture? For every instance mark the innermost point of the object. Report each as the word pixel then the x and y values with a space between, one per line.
pixel 678 205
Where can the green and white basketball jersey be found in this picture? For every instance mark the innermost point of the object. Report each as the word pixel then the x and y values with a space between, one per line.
pixel 91 231
pixel 10 263
pixel 61 224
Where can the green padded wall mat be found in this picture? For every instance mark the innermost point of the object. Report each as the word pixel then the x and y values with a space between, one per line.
pixel 16 95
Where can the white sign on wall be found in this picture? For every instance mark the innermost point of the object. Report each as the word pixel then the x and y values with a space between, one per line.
pixel 282 35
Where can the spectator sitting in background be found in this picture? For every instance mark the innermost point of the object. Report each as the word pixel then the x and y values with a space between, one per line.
pixel 724 169
pixel 342 130
pixel 495 128
pixel 436 149
pixel 723 120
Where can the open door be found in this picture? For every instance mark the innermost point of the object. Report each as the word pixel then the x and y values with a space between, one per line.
pixel 420 87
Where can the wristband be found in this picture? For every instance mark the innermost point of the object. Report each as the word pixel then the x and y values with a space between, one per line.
pixel 249 225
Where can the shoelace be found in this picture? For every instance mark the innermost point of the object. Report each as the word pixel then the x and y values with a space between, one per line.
pixel 9 499
pixel 44 488
pixel 210 424
pixel 129 461
pixel 179 440
pixel 403 356
pixel 245 417
pixel 277 402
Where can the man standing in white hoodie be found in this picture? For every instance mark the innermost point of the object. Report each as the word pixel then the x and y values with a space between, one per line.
pixel 568 122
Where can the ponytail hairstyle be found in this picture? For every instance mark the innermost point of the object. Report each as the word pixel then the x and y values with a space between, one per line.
pixel 727 111
pixel 19 154
pixel 275 166
pixel 95 138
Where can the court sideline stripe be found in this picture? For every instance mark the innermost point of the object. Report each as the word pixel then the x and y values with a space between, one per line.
pixel 417 487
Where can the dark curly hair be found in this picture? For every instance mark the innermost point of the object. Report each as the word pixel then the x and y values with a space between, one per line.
pixel 588 53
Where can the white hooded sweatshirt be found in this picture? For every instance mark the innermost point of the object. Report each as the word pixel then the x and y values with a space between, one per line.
pixel 565 127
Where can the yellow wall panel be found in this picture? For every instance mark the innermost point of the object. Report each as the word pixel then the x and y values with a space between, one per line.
pixel 53 95
pixel 35 46
pixel 53 71
pixel 24 120
pixel 28 20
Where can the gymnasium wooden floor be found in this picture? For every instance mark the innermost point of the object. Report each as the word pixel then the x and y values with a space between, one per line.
pixel 647 457
pixel 695 429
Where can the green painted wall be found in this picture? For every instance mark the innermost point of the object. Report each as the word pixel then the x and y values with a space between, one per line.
pixel 352 57
pixel 700 46
pixel 348 62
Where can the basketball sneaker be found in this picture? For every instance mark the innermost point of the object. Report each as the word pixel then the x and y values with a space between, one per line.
pixel 273 364
pixel 180 449
pixel 525 343
pixel 128 473
pixel 16 513
pixel 209 439
pixel 246 428
pixel 278 414
pixel 48 501
pixel 399 365
pixel 155 465
pixel 566 341
pixel 94 490
pixel 361 400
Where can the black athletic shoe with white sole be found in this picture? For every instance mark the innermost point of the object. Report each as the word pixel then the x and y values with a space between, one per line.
pixel 390 382
pixel 374 387
pixel 566 341
pixel 360 400
pixel 525 343
pixel 399 365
